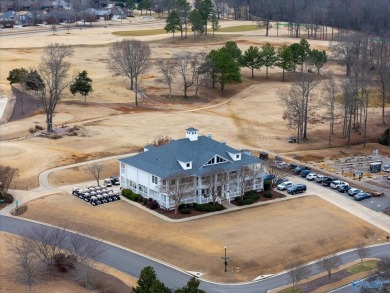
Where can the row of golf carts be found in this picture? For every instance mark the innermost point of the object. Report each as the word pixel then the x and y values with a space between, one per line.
pixel 97 195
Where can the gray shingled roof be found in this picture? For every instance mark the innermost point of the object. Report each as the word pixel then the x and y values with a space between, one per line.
pixel 163 162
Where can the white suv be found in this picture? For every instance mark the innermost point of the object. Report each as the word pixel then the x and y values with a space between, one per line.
pixel 284 185
pixel 335 184
pixel 311 176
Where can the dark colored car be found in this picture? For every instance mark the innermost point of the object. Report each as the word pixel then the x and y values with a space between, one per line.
pixel 361 196
pixel 296 188
pixel 292 139
pixel 114 180
pixel 281 180
pixel 269 177
pixel 293 166
pixel 328 181
pixel 299 169
pixel 304 173
pixel 343 188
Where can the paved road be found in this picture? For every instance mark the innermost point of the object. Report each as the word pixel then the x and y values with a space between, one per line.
pixel 132 263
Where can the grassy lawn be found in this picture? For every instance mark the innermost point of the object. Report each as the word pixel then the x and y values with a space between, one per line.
pixel 260 240
pixel 139 33
pixel 239 28
pixel 291 290
pixel 363 267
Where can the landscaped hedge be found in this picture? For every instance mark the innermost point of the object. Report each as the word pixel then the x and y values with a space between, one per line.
pixel 244 202
pixel 130 195
pixel 185 211
pixel 268 194
pixel 209 207
pixel 8 198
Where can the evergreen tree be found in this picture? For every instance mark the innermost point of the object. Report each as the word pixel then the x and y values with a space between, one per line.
pixel 214 22
pixel 191 287
pixel 233 50
pixel 173 23
pixel 130 4
pixel 285 58
pixel 17 75
pixel 295 50
pixel 251 59
pixel 159 287
pixel 205 7
pixel 304 52
pixel 318 58
pixel 227 70
pixel 146 280
pixel 183 8
pixel 196 22
pixel 34 81
pixel 82 84
pixel 268 56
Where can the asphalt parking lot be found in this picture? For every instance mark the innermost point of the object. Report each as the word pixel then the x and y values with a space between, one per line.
pixel 375 203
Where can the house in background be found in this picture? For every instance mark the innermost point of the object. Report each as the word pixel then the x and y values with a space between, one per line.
pixel 9 19
pixel 209 166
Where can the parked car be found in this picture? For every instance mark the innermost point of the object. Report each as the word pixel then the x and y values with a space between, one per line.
pixel 282 165
pixel 311 176
pixel 284 185
pixel 361 196
pixel 386 168
pixel 343 188
pixel 107 182
pixel 292 139
pixel 115 180
pixel 298 169
pixel 328 181
pixel 281 180
pixel 269 176
pixel 304 173
pixel 354 191
pixel 293 166
pixel 377 194
pixel 320 178
pixel 335 184
pixel 296 188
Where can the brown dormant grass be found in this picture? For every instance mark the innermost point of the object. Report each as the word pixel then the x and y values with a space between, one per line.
pixel 260 240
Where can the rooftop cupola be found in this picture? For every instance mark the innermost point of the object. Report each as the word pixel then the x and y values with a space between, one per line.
pixel 192 134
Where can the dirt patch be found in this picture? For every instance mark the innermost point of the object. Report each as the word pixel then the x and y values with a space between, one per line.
pixel 261 240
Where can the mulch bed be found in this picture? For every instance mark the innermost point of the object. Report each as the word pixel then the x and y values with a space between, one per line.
pixel 275 195
pixel 171 214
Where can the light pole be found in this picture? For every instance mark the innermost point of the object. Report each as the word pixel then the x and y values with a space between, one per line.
pixel 225 258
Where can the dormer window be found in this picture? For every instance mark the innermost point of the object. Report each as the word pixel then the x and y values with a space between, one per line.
pixel 185 165
pixel 216 160
pixel 235 156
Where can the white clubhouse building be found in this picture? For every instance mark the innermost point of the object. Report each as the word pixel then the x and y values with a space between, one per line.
pixel 199 158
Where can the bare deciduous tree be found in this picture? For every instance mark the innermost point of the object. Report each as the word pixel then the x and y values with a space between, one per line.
pixel 7 174
pixel 361 251
pixel 186 65
pixel 330 263
pixel 160 140
pixel 346 48
pixel 166 67
pixel 47 242
pixel 273 168
pixel 176 188
pixel 298 272
pixel 329 95
pixel 246 177
pixel 130 58
pixel 96 170
pixel 215 180
pixel 53 70
pixel 25 260
pixel 86 252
